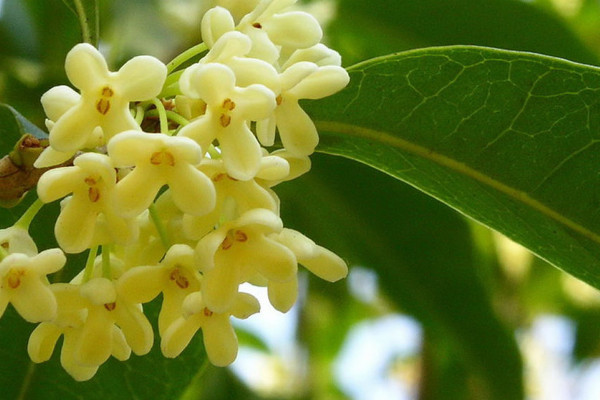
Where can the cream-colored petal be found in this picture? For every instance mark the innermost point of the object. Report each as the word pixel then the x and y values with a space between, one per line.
pixel 271 259
pixel 51 157
pixel 326 265
pixel 58 100
pixel 42 342
pixel 220 287
pixel 250 71
pixel 68 358
pixel 75 225
pixel 141 78
pixel 192 191
pixel 202 78
pixel 86 67
pixel 283 295
pixel 72 131
pixel 130 147
pixel 273 168
pixel 120 120
pixel 296 129
pixel 264 219
pixel 255 102
pixel 202 130
pixel 135 326
pixel 220 340
pixel 216 22
pixel 229 45
pixel 318 54
pixel 134 193
pixel 295 29
pixel 142 284
pixel 241 152
pixel 120 349
pixel 178 335
pixel 244 306
pixel 58 182
pixel 206 248
pixel 265 131
pixel 95 343
pixel 99 291
pixel 18 240
pixel 299 244
pixel 322 83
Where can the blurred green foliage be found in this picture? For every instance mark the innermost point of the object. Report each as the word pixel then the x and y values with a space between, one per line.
pixel 432 263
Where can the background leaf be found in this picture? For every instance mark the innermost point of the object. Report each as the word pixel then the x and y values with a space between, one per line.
pixel 509 139
pixel 423 253
pixel 87 13
pixel 362 30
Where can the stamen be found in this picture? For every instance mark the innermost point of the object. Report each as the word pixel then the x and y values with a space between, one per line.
pixel 93 194
pixel 240 236
pixel 102 106
pixel 14 278
pixel 207 312
pixel 279 100
pixel 257 25
pixel 110 306
pixel 179 279
pixel 225 120
pixel 162 158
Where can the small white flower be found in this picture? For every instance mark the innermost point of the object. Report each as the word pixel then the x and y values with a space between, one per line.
pixel 160 160
pixel 107 311
pixel 24 284
pixel 175 277
pixel 219 337
pixel 303 80
pixel 17 240
pixel 228 113
pixel 237 252
pixel 234 197
pixel 89 213
pixel 105 96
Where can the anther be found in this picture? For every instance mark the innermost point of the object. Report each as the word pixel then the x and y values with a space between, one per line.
pixel 110 306
pixel 207 312
pixel 279 100
pixel 14 278
pixel 93 194
pixel 179 279
pixel 257 25
pixel 162 158
pixel 102 106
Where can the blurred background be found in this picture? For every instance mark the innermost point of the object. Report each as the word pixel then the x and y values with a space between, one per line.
pixel 435 306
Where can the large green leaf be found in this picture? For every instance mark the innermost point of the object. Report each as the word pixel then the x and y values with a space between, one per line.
pixel 509 139
pixel 423 254
pixel 363 30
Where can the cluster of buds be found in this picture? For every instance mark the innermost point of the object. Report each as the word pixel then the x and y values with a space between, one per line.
pixel 164 177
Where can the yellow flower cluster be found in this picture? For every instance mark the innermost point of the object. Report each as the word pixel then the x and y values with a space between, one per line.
pixel 167 173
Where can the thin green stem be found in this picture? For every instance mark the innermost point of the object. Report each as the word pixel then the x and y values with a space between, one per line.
pixel 186 55
pixel 162 116
pixel 106 270
pixel 139 114
pixel 29 214
pixel 171 115
pixel 89 264
pixel 172 79
pixel 160 228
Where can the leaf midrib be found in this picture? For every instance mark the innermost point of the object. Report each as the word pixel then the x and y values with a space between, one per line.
pixel 523 197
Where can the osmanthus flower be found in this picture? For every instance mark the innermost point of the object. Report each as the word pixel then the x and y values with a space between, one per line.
pixel 88 216
pixel 17 240
pixel 234 197
pixel 232 50
pixel 106 310
pixel 176 276
pixel 105 96
pixel 302 80
pixel 70 318
pixel 24 284
pixel 271 26
pixel 56 102
pixel 237 251
pixel 160 160
pixel 228 114
pixel 220 340
pixel 322 262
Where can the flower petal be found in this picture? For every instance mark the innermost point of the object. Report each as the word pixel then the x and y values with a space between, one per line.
pixel 141 78
pixel 86 67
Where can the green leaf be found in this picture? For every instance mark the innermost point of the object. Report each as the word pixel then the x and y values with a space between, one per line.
pixel 509 139
pixel 423 254
pixel 13 125
pixel 88 15
pixel 362 30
